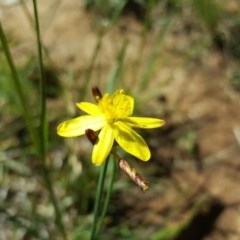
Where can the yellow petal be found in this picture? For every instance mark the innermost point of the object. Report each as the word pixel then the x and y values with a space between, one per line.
pixel 104 145
pixel 77 126
pixel 123 103
pixel 142 122
pixel 89 108
pixel 130 141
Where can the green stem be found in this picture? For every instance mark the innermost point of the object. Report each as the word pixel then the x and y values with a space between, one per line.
pixel 108 196
pixel 44 129
pixel 89 70
pixel 31 22
pixel 148 69
pixel 43 114
pixel 101 180
pixel 18 88
pixel 29 125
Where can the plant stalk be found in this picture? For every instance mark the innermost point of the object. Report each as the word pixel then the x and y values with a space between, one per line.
pixel 98 199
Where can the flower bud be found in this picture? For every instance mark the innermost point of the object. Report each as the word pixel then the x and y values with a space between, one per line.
pixel 133 175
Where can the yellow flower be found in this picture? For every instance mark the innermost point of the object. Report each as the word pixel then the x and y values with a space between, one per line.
pixel 112 117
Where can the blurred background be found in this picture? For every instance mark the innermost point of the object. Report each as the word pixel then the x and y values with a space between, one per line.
pixel 180 60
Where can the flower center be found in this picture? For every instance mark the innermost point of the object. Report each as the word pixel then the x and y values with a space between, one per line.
pixel 117 106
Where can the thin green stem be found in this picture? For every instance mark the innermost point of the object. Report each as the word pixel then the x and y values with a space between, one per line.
pixel 44 129
pixel 108 196
pixel 115 73
pixel 148 69
pixel 89 70
pixel 101 180
pixel 19 90
pixel 43 114
pixel 102 32
pixel 31 22
pixel 31 129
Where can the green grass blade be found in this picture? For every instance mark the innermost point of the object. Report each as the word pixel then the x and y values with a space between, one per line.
pixel 43 112
pixel 98 200
pixel 117 70
pixel 148 69
pixel 19 89
pixel 44 129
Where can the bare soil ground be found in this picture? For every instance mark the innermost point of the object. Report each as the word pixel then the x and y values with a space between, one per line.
pixel 194 172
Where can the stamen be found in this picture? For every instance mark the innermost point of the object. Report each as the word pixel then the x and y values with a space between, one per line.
pixel 91 135
pixel 96 94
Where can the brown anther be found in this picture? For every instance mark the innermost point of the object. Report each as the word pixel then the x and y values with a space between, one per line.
pixel 91 135
pixel 96 93
pixel 133 175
